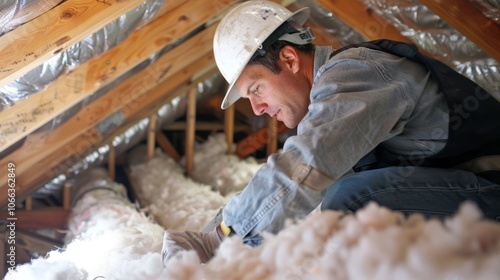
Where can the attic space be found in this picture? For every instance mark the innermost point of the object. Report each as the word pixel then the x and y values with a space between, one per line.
pixel 111 132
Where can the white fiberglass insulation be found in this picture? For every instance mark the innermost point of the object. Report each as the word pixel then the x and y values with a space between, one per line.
pixel 115 241
pixel 183 203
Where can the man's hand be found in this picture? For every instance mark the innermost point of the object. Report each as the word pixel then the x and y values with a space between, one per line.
pixel 204 244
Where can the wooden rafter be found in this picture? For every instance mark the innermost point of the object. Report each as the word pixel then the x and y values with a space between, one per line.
pixel 26 116
pixel 46 155
pixel 51 163
pixel 362 20
pixel 463 16
pixel 30 44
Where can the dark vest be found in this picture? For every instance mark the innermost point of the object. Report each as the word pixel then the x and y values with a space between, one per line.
pixel 474 115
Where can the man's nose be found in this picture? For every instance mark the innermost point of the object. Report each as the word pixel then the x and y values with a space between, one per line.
pixel 259 108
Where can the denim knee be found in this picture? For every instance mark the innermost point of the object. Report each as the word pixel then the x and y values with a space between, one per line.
pixel 433 192
pixel 343 192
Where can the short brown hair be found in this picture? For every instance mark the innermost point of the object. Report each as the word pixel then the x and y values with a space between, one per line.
pixel 269 58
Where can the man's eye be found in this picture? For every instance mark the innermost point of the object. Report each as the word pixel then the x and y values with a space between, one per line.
pixel 256 90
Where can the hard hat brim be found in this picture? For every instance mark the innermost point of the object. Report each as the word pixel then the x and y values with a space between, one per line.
pixel 232 94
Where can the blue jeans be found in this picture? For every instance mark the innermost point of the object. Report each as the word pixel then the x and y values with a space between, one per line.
pixel 434 192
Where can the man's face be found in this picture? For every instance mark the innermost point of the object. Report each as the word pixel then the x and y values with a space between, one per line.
pixel 284 96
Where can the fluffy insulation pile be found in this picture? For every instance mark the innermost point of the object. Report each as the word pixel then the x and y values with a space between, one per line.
pixel 110 239
pixel 177 202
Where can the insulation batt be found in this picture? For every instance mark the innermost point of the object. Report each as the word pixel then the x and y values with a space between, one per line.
pixel 108 238
pixel 116 241
pixel 190 203
pixel 230 175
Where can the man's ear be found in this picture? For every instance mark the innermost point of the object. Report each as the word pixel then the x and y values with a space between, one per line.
pixel 290 58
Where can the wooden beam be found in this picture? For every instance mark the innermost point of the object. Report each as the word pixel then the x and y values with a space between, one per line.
pixel 362 20
pixel 50 217
pixel 462 15
pixel 27 115
pixel 167 147
pixel 190 130
pixel 108 112
pixel 206 126
pixel 39 39
pixel 272 138
pixel 178 91
pixel 151 136
pixel 229 128
pixel 28 203
pixel 54 31
pixel 43 157
pixel 177 86
pixel 257 140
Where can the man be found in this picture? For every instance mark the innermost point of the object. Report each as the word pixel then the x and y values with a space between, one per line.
pixel 375 122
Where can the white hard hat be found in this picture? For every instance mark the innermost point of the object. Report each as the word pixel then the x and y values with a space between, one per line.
pixel 241 32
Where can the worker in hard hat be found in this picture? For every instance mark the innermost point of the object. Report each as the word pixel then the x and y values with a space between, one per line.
pixel 376 121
